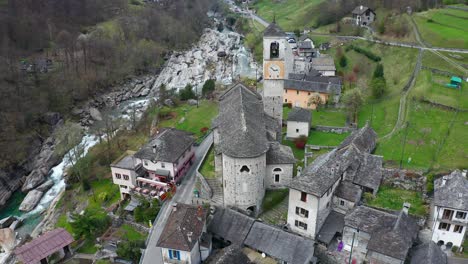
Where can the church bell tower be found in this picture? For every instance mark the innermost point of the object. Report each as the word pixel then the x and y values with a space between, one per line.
pixel 275 54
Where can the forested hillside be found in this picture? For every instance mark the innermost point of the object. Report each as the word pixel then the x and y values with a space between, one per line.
pixel 57 53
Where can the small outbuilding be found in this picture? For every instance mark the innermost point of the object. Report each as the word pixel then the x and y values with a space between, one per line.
pixel 455 82
pixel 54 244
pixel 298 122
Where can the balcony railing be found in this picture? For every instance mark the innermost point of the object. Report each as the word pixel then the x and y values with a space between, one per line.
pixel 174 261
pixel 153 189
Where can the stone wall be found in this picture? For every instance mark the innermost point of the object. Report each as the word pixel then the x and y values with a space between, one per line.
pixel 404 179
pixel 205 189
pixel 332 129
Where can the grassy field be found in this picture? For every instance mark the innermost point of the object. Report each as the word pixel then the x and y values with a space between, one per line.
pixel 392 198
pixel 273 197
pixel 289 14
pixel 443 27
pixel 329 117
pixel 129 233
pixel 194 118
pixel 434 61
pixel 325 139
pixel 207 168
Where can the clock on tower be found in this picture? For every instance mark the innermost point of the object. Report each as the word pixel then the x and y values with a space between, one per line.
pixel 273 70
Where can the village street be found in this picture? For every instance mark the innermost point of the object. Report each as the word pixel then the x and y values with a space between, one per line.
pixel 184 194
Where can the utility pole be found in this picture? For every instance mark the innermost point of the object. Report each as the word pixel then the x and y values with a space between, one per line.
pixel 352 245
pixel 404 144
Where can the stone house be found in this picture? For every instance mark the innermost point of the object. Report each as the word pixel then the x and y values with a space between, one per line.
pixel 157 167
pixel 299 88
pixel 450 209
pixel 241 231
pixel 184 239
pixel 428 253
pixel 298 124
pixel 378 236
pixel 248 157
pixel 335 181
pixel 306 49
pixel 324 64
pixel 363 16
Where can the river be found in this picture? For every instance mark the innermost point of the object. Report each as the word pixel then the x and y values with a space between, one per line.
pixel 242 65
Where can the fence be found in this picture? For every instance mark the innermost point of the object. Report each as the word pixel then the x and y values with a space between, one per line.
pixel 332 129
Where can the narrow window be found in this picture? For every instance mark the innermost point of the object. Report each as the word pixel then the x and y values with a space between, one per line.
pixel 460 215
pixel 297 92
pixel 458 229
pixel 274 50
pixel 145 162
pixel 297 130
pixel 444 226
pixel 447 214
pixel 285 100
pixel 163 165
pixel 125 177
pixel 277 178
pixel 245 169
pixel 303 196
pixel 118 176
pixel 342 203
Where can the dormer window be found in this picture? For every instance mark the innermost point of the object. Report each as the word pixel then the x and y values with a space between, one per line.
pixel 274 50
pixel 245 169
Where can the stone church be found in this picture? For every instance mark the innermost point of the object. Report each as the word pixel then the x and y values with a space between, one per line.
pixel 249 158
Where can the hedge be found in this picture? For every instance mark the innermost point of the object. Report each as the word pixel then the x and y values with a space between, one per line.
pixel 364 52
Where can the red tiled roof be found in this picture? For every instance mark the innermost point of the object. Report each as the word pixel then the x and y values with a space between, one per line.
pixel 43 246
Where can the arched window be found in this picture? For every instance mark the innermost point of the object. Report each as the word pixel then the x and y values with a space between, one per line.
pixel 274 50
pixel 245 169
pixel 277 169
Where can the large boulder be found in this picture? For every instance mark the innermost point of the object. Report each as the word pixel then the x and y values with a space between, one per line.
pixel 95 114
pixel 45 186
pixel 35 178
pixel 7 221
pixel 145 92
pixel 169 102
pixel 31 200
pixel 192 102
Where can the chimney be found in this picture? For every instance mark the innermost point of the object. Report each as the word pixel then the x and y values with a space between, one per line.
pixel 406 207
pixel 154 149
pixel 444 180
pixel 361 7
pixel 189 236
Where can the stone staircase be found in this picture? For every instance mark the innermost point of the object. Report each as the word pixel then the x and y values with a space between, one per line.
pixel 217 189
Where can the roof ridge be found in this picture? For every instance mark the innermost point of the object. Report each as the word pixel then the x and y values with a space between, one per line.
pixel 242 114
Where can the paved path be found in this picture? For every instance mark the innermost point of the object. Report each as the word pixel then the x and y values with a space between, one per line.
pixel 184 194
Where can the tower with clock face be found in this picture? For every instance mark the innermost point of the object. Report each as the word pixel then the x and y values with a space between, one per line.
pixel 275 55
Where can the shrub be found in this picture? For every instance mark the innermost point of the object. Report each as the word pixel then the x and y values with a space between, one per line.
pixel 454 249
pixel 85 185
pixel 203 130
pixel 130 250
pixel 379 87
pixel 430 183
pixel 364 52
pixel 379 71
pixel 90 224
pixel 288 105
pixel 343 61
pixel 187 93
pixel 208 87
pixel 368 197
pixel 300 142
pixel 103 197
pixel 430 20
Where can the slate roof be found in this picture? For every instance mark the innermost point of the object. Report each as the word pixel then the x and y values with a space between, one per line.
pixel 280 244
pixel 43 246
pixel 391 235
pixel 333 224
pixel 324 63
pixel 230 225
pixel 369 173
pixel 280 154
pixel 241 123
pixel 359 10
pixel 348 191
pixel 304 45
pixel 170 144
pixel 452 194
pixel 273 31
pixel 318 177
pixel 183 228
pixel 300 115
pixel 363 139
pixel 232 254
pixel 428 253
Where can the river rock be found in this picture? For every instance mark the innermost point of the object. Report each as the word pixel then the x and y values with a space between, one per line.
pixel 192 102
pixel 31 200
pixel 145 92
pixel 7 221
pixel 35 178
pixel 95 114
pixel 45 186
pixel 169 102
pixel 137 88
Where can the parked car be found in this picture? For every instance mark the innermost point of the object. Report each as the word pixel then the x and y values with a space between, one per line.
pixel 291 40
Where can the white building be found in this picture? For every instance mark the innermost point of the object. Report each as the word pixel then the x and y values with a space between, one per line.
pixel 248 157
pixel 334 182
pixel 450 209
pixel 157 166
pixel 298 122
pixel 184 239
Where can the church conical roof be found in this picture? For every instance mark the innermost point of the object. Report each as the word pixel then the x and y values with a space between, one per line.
pixel 273 31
